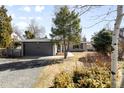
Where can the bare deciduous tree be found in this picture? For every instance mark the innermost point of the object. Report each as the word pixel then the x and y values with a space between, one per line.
pixel 17 31
pixel 115 37
pixel 36 29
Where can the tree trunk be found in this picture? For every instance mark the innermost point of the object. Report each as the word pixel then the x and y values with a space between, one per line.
pixel 60 48
pixel 115 37
pixel 65 50
pixel 68 47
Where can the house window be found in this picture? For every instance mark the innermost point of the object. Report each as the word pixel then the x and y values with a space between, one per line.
pixel 75 46
pixel 81 45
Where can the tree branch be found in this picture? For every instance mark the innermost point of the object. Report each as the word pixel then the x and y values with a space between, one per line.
pixel 106 14
pixel 98 23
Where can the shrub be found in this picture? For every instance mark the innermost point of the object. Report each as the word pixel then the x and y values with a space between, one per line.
pixel 95 58
pixel 63 80
pixel 106 65
pixel 85 78
pixel 102 41
pixel 92 78
pixel 16 44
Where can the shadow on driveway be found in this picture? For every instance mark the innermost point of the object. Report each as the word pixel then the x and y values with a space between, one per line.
pixel 28 64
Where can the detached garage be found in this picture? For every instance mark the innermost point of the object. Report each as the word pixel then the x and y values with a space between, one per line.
pixel 34 47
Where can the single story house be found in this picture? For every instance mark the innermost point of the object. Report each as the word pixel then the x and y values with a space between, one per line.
pixel 78 47
pixel 121 34
pixel 45 47
pixel 82 46
pixel 34 47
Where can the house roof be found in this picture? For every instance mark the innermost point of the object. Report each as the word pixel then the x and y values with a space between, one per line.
pixel 121 35
pixel 83 42
pixel 36 40
pixel 122 29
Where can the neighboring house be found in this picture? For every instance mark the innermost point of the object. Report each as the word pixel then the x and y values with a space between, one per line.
pixel 87 46
pixel 82 46
pixel 90 46
pixel 121 34
pixel 78 47
pixel 121 38
pixel 42 47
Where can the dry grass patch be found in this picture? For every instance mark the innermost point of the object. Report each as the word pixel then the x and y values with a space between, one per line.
pixel 49 72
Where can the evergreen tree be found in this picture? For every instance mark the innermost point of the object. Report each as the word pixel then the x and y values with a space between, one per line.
pixel 66 27
pixel 29 35
pixel 5 28
pixel 102 41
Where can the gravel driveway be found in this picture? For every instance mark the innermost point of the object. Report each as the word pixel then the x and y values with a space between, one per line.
pixel 18 74
pixel 22 73
pixel 19 79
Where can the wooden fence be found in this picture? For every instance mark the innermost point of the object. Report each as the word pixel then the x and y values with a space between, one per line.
pixel 10 52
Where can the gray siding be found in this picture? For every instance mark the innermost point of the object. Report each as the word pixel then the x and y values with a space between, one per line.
pixel 82 47
pixel 38 49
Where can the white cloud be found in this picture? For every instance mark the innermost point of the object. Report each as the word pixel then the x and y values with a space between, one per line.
pixel 12 15
pixel 22 18
pixel 38 18
pixel 22 25
pixel 30 18
pixel 10 5
pixel 27 9
pixel 39 8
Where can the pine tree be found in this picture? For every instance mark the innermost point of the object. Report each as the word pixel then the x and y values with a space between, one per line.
pixel 29 35
pixel 66 27
pixel 5 28
pixel 102 41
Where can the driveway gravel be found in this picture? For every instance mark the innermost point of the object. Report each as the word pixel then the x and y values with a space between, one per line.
pixel 19 79
pixel 23 72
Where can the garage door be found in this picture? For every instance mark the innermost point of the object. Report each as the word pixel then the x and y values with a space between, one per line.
pixel 37 49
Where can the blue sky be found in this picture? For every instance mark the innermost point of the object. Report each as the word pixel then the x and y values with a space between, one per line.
pixel 22 14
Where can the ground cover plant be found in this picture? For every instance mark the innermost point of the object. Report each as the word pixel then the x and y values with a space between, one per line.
pixel 75 73
pixel 94 77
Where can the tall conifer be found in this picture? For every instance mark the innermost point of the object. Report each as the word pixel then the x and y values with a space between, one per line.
pixel 5 28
